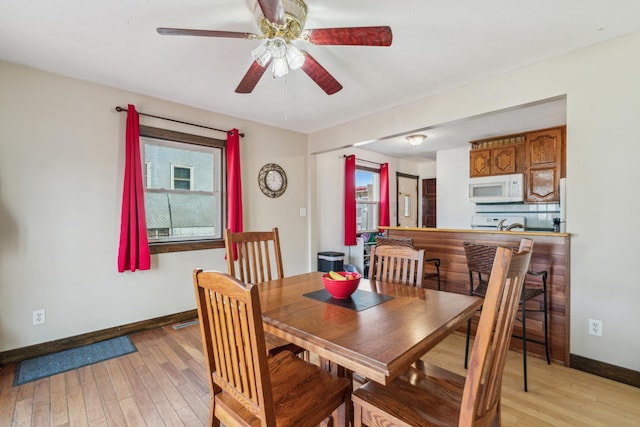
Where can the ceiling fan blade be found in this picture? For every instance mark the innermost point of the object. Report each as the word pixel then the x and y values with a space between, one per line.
pixel 273 11
pixel 320 75
pixel 204 33
pixel 360 36
pixel 251 79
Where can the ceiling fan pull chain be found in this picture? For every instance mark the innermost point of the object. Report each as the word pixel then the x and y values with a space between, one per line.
pixel 286 97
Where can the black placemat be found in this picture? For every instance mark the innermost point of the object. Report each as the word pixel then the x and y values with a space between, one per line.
pixel 359 300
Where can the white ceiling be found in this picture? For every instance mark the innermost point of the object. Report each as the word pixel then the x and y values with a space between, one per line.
pixel 437 45
pixel 538 115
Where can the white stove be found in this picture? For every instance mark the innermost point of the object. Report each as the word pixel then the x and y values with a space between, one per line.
pixel 494 221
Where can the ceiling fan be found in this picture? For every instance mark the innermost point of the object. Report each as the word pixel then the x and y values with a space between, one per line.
pixel 281 22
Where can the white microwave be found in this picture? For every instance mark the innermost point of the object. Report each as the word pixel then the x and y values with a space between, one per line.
pixel 497 189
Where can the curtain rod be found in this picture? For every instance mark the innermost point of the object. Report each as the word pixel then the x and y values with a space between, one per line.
pixel 120 109
pixel 363 160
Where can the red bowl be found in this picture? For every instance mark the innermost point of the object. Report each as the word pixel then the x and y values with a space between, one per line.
pixel 341 289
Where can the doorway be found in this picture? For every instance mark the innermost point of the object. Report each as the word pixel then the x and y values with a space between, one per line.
pixel 407 199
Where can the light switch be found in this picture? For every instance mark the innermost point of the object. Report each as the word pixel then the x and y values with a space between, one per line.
pixel 303 211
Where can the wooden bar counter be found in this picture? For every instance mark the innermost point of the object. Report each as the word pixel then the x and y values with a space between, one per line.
pixel 551 252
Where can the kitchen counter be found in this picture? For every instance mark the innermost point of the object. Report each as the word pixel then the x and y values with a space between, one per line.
pixel 551 252
pixel 455 230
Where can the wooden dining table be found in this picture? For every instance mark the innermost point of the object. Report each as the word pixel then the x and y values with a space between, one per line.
pixel 377 341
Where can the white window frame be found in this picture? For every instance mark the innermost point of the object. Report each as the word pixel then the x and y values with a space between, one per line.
pixel 147 173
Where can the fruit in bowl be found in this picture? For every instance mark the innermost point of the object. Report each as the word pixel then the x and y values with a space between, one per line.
pixel 342 284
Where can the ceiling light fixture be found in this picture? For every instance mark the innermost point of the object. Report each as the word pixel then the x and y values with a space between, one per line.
pixel 285 56
pixel 416 139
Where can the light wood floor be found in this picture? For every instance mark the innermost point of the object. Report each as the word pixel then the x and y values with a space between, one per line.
pixel 164 384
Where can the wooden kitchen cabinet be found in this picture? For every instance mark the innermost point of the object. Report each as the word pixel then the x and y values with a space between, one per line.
pixel 503 160
pixel 479 163
pixel 544 157
pixel 497 156
pixel 496 161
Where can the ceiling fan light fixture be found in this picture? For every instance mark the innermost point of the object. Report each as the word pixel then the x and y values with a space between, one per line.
pixel 416 139
pixel 277 47
pixel 261 54
pixel 280 67
pixel 295 58
pixel 285 56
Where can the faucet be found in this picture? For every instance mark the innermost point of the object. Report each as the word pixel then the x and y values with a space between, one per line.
pixel 500 225
pixel 514 225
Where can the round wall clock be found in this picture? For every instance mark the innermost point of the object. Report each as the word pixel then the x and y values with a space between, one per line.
pixel 272 180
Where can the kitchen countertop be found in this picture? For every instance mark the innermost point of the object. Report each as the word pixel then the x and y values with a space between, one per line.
pixel 513 232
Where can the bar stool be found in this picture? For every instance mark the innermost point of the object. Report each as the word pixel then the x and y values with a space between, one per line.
pixel 479 262
pixel 436 263
pixel 529 294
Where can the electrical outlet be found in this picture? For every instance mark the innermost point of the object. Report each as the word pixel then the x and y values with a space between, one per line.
pixel 38 317
pixel 595 327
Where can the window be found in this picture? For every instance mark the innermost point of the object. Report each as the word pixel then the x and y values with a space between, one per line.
pixel 367 199
pixel 181 177
pixel 184 202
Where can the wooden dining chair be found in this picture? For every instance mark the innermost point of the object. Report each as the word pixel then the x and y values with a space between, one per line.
pixel 397 264
pixel 426 395
pixel 404 241
pixel 257 255
pixel 248 388
pixel 257 258
pixel 479 261
pixel 394 261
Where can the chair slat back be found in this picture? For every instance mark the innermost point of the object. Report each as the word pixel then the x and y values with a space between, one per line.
pixel 233 341
pixel 394 241
pixel 397 264
pixel 258 255
pixel 484 377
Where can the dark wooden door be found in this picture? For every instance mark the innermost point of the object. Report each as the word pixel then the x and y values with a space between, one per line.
pixel 429 202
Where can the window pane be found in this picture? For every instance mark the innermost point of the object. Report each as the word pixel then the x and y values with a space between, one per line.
pixel 366 217
pixel 182 202
pixel 367 185
pixel 183 215
pixel 182 173
pixel 181 185
pixel 367 195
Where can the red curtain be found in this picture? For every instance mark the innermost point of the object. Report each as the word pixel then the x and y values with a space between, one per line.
pixel 234 184
pixel 133 252
pixel 384 194
pixel 350 200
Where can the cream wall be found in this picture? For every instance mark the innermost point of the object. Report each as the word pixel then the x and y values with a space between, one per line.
pixel 61 167
pixel 454 207
pixel 603 127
